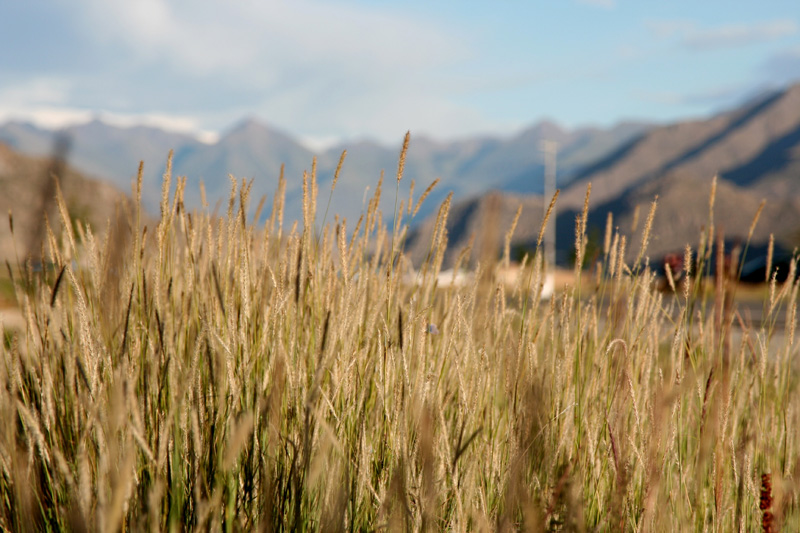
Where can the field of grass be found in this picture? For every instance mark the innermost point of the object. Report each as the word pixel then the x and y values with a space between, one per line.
pixel 207 373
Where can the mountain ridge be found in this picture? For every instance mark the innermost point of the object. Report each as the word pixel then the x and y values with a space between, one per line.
pixel 251 148
pixel 753 148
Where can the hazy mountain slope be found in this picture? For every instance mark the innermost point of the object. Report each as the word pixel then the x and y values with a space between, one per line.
pixel 682 214
pixel 250 150
pixel 724 144
pixel 775 170
pixel 27 138
pixel 485 220
pixel 478 164
pixel 115 153
pixel 576 150
pixel 254 150
pixel 755 150
pixel 26 191
pixel 110 152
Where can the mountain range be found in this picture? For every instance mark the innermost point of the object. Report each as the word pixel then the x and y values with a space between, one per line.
pixel 252 149
pixel 754 150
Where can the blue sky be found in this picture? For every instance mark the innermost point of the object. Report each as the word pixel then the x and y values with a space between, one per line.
pixel 339 70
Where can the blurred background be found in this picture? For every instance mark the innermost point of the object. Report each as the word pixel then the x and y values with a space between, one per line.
pixel 639 98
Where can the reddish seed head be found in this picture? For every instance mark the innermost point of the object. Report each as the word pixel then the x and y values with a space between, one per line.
pixel 766 503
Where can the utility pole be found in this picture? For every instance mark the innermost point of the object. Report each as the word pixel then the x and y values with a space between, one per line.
pixel 550 149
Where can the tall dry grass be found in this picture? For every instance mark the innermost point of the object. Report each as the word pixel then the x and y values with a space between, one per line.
pixel 231 377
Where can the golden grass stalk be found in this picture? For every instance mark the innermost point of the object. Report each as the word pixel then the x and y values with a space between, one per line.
pixel 249 382
pixel 648 227
pixel 401 164
pixel 546 218
pixel 425 194
pixel 509 235
pixel 770 252
pixel 608 234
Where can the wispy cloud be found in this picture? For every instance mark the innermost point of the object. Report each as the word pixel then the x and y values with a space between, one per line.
pixel 668 28
pixel 782 67
pixel 37 90
pixel 40 99
pixel 56 117
pixel 309 64
pixel 605 4
pixel 740 34
pixel 343 68
pixel 45 116
pixel 775 72
pixel 694 37
pixel 200 37
pixel 714 97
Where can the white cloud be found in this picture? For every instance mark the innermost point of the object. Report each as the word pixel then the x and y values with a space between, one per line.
pixel 726 36
pixel 782 67
pixel 270 38
pixel 775 72
pixel 54 118
pixel 740 34
pixel 45 102
pixel 310 66
pixel 319 144
pixel 164 121
pixel 38 90
pixel 384 110
pixel 46 117
pixel 605 4
pixel 668 28
pixel 42 100
pixel 715 96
